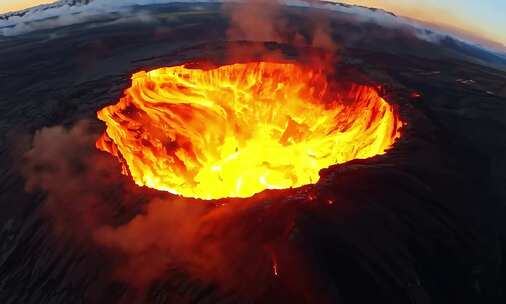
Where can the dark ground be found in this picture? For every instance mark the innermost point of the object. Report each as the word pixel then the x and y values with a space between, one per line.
pixel 422 224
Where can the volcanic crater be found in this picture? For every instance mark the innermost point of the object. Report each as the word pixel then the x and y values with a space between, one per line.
pixel 238 129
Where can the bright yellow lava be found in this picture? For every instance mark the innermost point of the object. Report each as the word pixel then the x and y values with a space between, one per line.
pixel 238 129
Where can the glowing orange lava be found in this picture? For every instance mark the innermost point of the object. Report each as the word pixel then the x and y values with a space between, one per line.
pixel 238 129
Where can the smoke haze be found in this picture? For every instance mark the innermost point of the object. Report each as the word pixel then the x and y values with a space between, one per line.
pixel 150 232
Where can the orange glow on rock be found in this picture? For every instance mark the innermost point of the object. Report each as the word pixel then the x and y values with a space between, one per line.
pixel 239 129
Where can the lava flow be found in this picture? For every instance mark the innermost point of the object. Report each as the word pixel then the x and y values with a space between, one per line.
pixel 238 129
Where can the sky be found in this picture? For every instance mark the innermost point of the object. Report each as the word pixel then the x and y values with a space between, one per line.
pixel 482 20
pixel 479 19
pixel 15 5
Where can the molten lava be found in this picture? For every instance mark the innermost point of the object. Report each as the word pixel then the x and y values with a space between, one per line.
pixel 238 129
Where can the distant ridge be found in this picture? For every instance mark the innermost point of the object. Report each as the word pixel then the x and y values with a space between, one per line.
pixel 44 7
pixel 382 17
pixel 70 3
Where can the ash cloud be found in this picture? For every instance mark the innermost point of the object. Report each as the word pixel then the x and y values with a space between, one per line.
pixel 63 164
pixel 148 232
pixel 84 193
pixel 262 20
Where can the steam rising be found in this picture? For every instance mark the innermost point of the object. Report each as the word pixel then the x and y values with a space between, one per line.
pixel 59 163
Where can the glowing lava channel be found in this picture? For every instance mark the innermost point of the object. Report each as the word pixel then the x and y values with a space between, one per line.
pixel 238 129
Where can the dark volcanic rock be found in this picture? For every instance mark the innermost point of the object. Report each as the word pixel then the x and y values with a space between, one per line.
pixel 420 224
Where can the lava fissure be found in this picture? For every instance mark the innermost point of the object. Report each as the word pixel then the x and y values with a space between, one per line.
pixel 239 129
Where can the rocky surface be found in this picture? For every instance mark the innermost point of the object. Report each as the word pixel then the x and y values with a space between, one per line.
pixel 421 224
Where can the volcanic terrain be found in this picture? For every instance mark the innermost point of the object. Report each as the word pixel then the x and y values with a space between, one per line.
pixel 420 223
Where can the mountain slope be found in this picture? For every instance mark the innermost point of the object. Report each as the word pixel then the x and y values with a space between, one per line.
pixel 44 7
